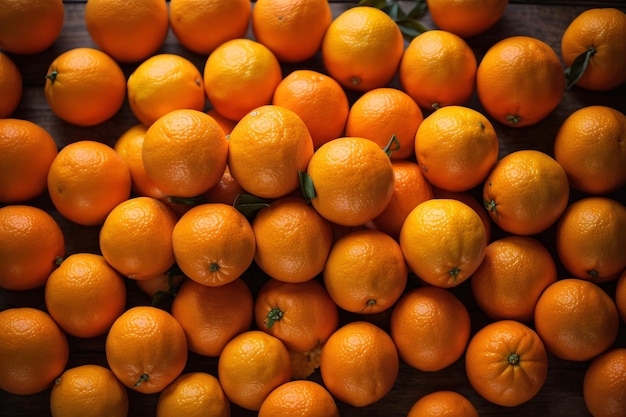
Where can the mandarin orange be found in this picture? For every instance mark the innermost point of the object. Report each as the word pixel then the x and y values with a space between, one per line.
pixel 466 18
pixel 10 85
pixel 604 384
pixel 30 26
pixel 299 398
pixel 443 404
pixel 193 394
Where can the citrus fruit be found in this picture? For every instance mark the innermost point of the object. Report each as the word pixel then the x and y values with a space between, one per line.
pixel 466 18
pixel 31 26
pixel 443 404
pixel 471 199
pixel 193 394
pixel 299 398
pixel 620 296
pixel 225 191
pixel 10 85
pixel 604 384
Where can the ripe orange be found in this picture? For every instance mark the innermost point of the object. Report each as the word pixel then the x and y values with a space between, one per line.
pixel 512 276
pixel 383 112
pixel 251 365
pixel 599 33
pixel 362 48
pixel 84 295
pixel 591 237
pixel 90 391
pixel 162 285
pixel 301 398
pixel 213 244
pixel 443 241
pixel 365 272
pixel 26 153
pixel 193 394
pixel 267 148
pixel 146 349
pixel 136 238
pixel 520 81
pixel 430 327
pixel 292 29
pixel 576 319
pixel 526 192
pixel 10 85
pixel 86 180
pixel 33 351
pixel 590 146
pixel 472 200
pixel 410 188
pixel 620 296
pixel 359 363
pixel 211 316
pixel 201 26
pixel 456 147
pixel 30 26
pixel 443 404
pixel 184 153
pixel 466 18
pixel 352 180
pixel 302 315
pixel 604 385
pixel 164 83
pixel 318 99
pixel 225 191
pixel 506 363
pixel 438 68
pixel 227 125
pixel 127 31
pixel 31 243
pixel 85 86
pixel 292 240
pixel 239 76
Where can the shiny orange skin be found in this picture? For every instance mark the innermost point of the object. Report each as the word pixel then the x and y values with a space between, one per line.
pixel 301 398
pixel 193 394
pixel 506 363
pixel 443 404
pixel 10 85
pixel 604 385
pixel 31 26
pixel 466 18
pixel 471 200
pixel 225 191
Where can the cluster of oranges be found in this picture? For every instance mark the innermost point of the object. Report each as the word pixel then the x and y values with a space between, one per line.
pixel 288 203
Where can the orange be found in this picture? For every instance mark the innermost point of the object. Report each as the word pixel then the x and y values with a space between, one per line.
pixel 350 180
pixel 85 86
pixel 84 295
pixel 591 147
pixel 225 191
pixel 384 112
pixel 318 99
pixel 227 125
pixel 184 153
pixel 409 189
pixel 136 238
pixel 526 192
pixel 471 199
pixel 600 34
pixel 576 319
pixel 512 276
pixel 33 351
pixel 146 349
pixel 438 68
pixel 164 83
pixel 292 240
pixel 302 315
pixel 31 243
pixel 362 48
pixel 267 148
pixel 201 26
pixel 162 285
pixel 251 365
pixel 443 241
pixel 213 244
pixel 466 18
pixel 292 29
pixel 506 363
pixel 10 85
pixel 456 147
pixel 127 31
pixel 443 404
pixel 239 76
pixel 26 153
pixel 211 316
pixel 299 398
pixel 430 327
pixel 31 26
pixel 193 394
pixel 359 363
pixel 520 81
pixel 86 180
pixel 591 237
pixel 365 272
pixel 88 390
pixel 604 385
pixel 620 296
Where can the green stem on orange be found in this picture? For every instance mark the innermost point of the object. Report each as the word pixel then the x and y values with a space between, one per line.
pixel 513 359
pixel 53 75
pixel 273 316
pixel 142 378
pixel 454 273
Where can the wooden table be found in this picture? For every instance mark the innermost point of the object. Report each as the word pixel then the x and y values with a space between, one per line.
pixel 562 393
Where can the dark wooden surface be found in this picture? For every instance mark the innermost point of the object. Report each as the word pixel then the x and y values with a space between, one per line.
pixel 562 392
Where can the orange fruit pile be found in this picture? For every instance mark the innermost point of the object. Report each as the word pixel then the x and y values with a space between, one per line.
pixel 309 232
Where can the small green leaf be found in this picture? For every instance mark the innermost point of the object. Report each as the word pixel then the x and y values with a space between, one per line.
pixel 306 186
pixel 249 205
pixel 379 4
pixel 392 145
pixel 573 73
pixel 189 201
pixel 419 9
pixel 411 28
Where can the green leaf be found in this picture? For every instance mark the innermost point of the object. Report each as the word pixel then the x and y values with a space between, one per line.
pixel 379 4
pixel 306 186
pixel 249 205
pixel 411 28
pixel 419 9
pixel 392 145
pixel 573 73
